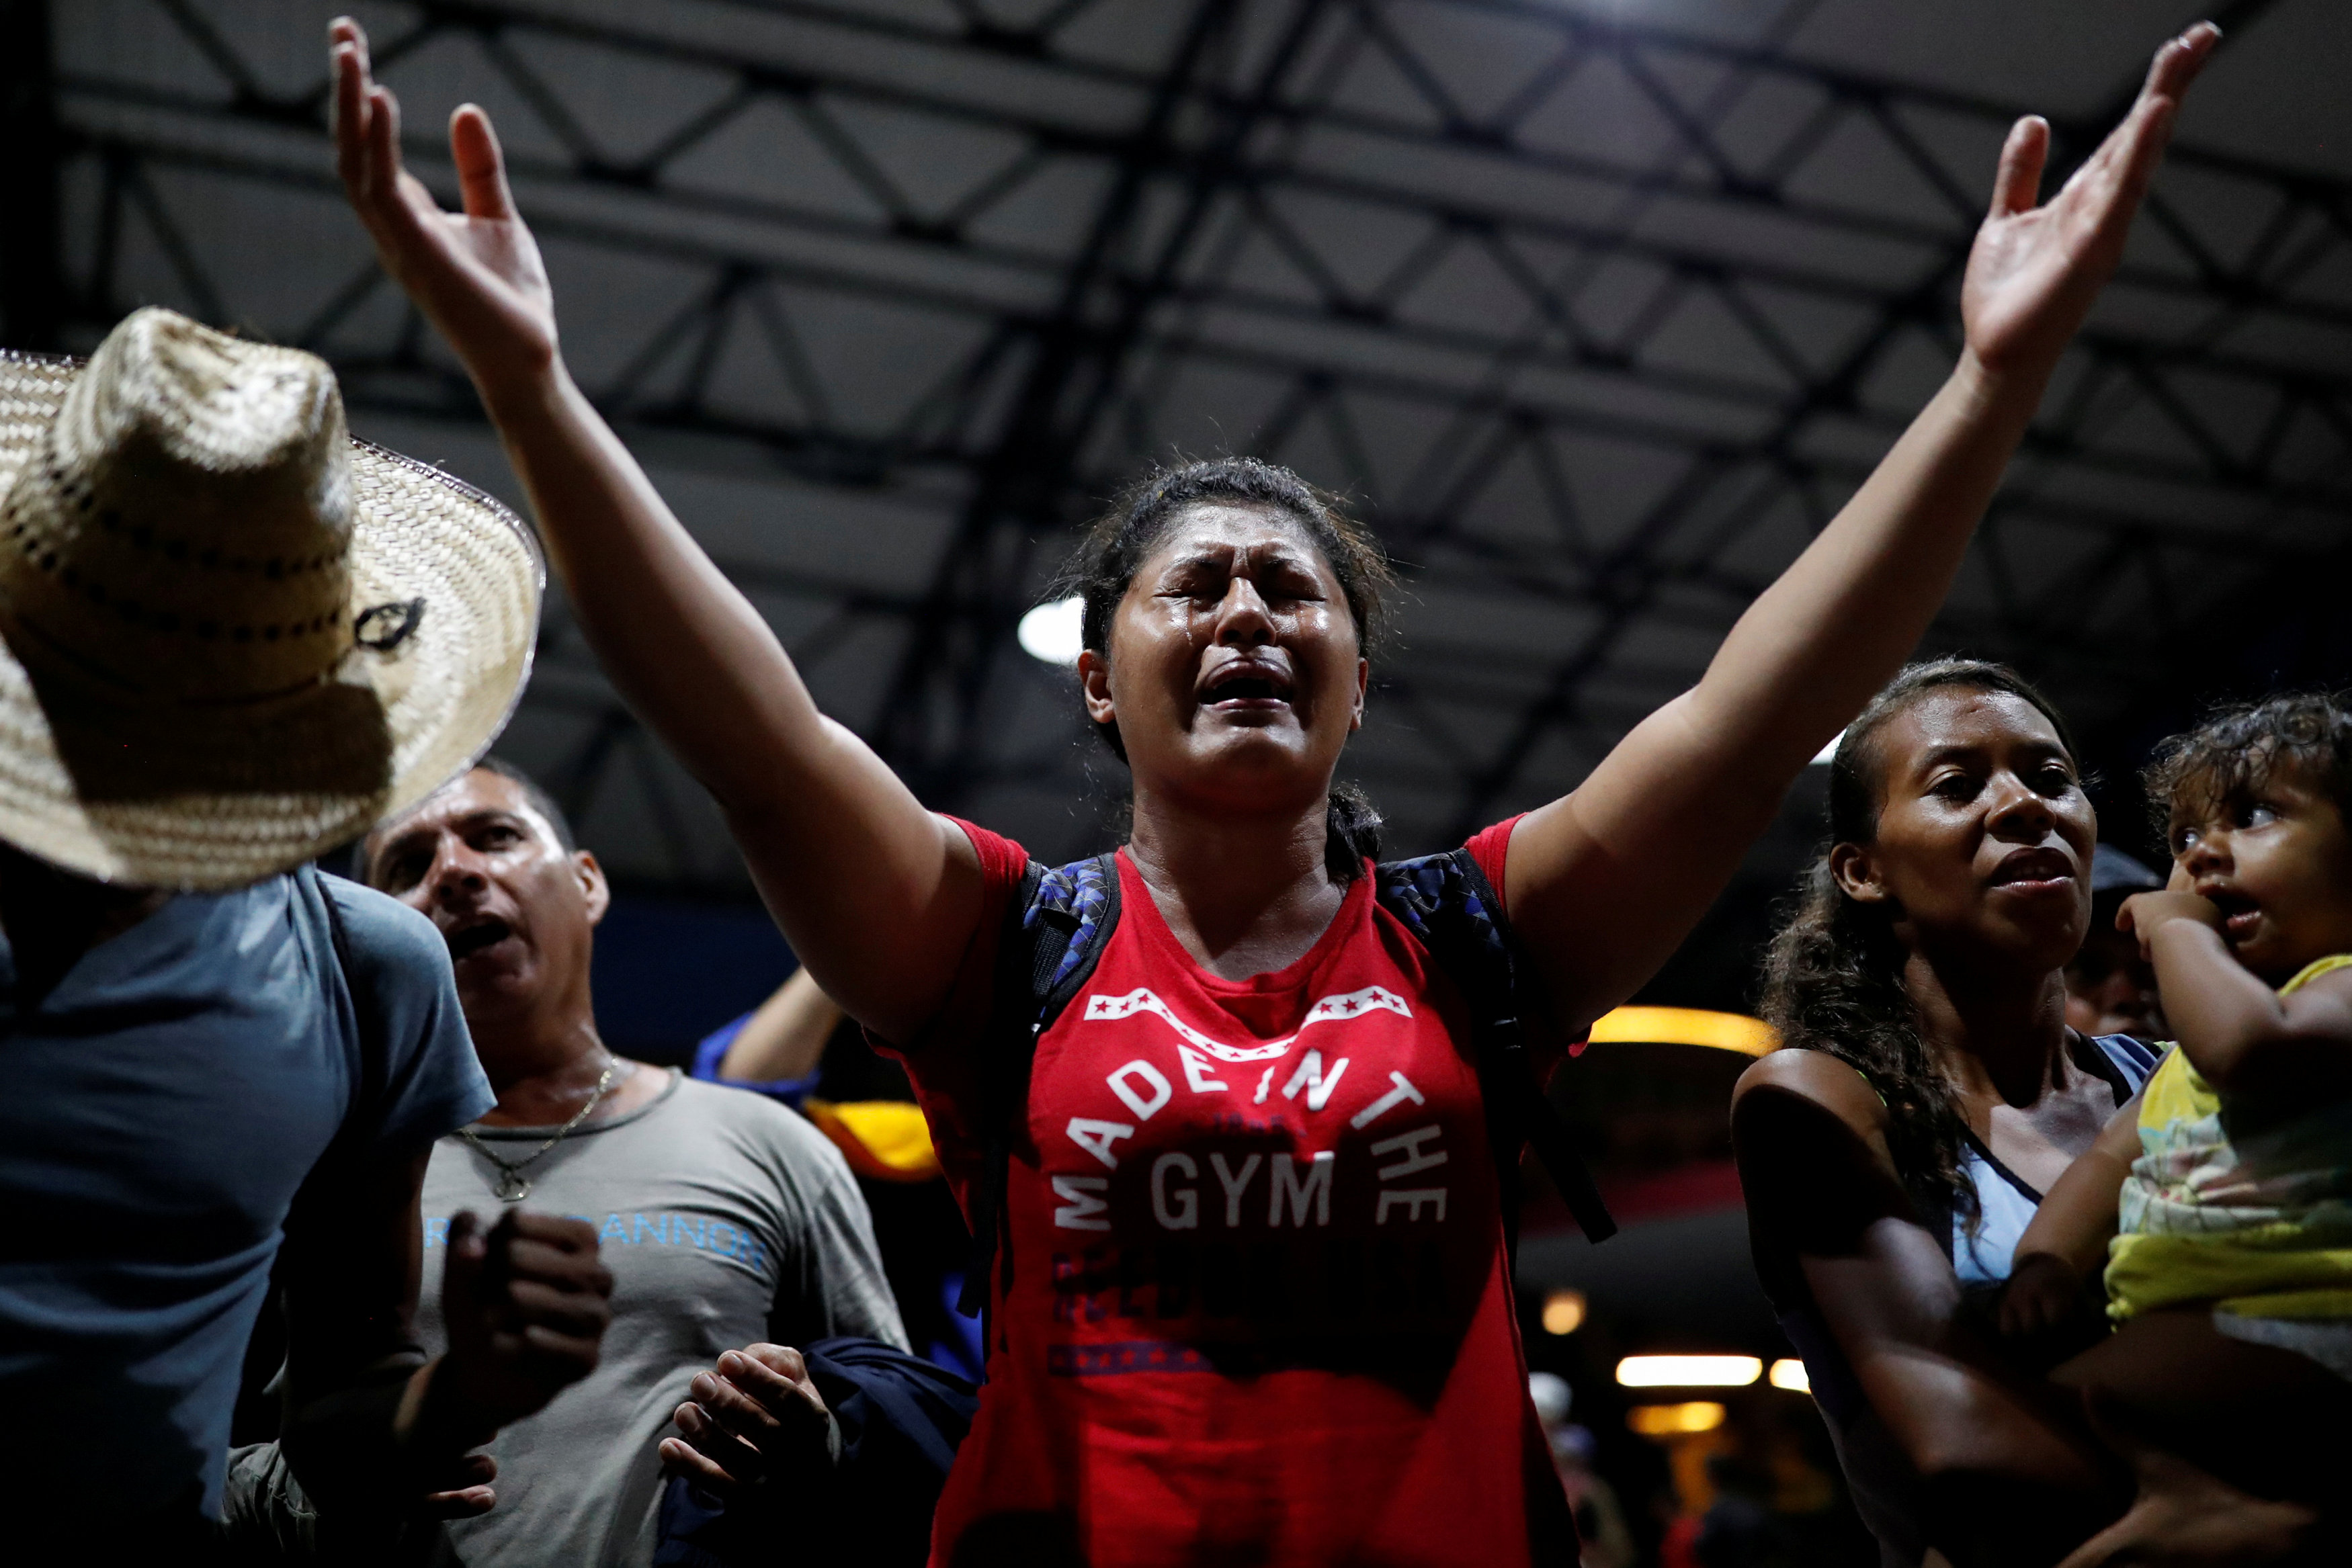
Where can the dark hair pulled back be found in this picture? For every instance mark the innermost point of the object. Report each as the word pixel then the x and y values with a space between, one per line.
pixel 1833 972
pixel 1124 537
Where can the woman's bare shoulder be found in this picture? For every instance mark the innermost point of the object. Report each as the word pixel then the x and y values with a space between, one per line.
pixel 1818 1077
pixel 1811 1136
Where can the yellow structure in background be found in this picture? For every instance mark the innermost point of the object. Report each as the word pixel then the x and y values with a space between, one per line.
pixel 1686 1025
pixel 885 1139
pixel 1790 1374
pixel 1675 1420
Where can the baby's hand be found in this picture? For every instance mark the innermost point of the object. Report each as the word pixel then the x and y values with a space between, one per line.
pixel 2146 914
pixel 2042 1297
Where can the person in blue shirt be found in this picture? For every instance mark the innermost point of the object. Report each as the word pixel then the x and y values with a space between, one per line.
pixel 231 637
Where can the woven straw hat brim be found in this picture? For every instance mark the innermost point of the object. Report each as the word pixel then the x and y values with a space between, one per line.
pixel 444 693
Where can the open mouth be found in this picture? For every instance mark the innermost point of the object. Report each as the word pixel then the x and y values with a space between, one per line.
pixel 1246 684
pixel 468 940
pixel 2240 915
pixel 2034 871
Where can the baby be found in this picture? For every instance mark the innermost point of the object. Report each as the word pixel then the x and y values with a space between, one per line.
pixel 2221 1194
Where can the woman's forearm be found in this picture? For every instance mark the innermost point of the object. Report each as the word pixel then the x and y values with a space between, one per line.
pixel 786 1037
pixel 1671 811
pixel 1655 829
pixel 873 890
pixel 1842 619
pixel 840 847
pixel 1822 638
pixel 870 889
pixel 682 644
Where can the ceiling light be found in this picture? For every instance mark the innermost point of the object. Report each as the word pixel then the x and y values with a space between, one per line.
pixel 1563 1312
pixel 1051 632
pixel 1790 1374
pixel 1689 1371
pixel 1674 1420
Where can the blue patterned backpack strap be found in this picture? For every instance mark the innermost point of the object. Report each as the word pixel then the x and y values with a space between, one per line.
pixel 1055 928
pixel 1445 900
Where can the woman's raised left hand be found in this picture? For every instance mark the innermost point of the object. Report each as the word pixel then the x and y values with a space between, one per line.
pixel 476 273
pixel 2035 270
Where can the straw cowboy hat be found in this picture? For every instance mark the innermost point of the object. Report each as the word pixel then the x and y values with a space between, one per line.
pixel 234 636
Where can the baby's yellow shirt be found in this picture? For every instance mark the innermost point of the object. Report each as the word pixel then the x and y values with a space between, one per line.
pixel 2261 1227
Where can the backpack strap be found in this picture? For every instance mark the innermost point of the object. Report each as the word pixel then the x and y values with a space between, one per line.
pixel 1055 928
pixel 1446 902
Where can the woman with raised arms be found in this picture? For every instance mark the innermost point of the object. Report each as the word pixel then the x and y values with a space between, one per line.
pixel 1256 1304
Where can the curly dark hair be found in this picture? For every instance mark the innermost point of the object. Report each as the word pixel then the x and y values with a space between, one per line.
pixel 2239 747
pixel 1124 537
pixel 1833 972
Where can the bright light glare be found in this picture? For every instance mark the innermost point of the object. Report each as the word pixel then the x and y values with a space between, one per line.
pixel 1563 1312
pixel 1827 754
pixel 1674 1420
pixel 1689 1371
pixel 1790 1374
pixel 1051 632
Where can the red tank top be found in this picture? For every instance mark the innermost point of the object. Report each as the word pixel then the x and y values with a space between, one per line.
pixel 1257 1307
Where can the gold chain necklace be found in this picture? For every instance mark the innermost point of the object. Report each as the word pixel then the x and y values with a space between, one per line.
pixel 513 1186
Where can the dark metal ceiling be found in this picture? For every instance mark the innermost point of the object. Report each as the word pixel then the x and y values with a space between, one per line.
pixel 1599 310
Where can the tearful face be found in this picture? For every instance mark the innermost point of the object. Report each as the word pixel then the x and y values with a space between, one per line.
pixel 1236 673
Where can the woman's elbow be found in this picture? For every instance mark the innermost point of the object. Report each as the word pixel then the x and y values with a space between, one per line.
pixel 1968 1449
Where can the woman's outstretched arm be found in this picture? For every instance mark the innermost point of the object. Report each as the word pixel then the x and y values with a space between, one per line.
pixel 1605 881
pixel 878 895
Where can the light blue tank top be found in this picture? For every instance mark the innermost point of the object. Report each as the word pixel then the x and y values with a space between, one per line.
pixel 2005 1203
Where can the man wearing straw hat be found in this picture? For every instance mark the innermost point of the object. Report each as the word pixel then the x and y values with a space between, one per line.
pixel 230 638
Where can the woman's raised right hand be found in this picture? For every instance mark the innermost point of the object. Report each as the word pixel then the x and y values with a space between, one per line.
pixel 2035 269
pixel 476 273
